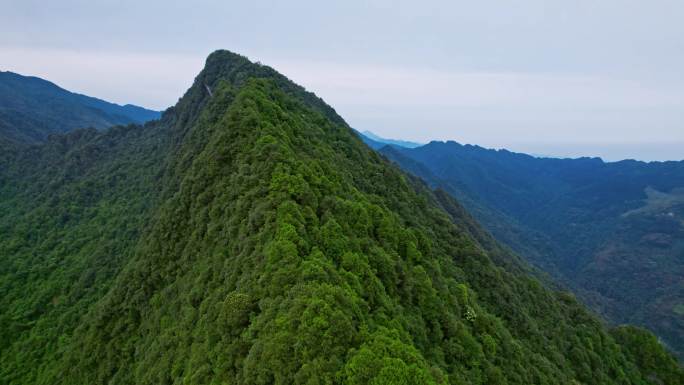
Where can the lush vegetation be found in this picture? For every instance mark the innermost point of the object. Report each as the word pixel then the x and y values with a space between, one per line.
pixel 249 237
pixel 32 108
pixel 614 232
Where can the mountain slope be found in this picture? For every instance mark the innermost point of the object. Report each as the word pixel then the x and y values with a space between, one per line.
pixel 614 232
pixel 71 212
pixel 32 108
pixel 279 249
pixel 535 246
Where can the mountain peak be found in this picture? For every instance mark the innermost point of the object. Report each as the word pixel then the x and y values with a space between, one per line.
pixel 235 70
pixel 268 245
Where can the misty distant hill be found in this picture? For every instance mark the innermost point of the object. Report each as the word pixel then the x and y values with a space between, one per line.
pixel 32 108
pixel 378 142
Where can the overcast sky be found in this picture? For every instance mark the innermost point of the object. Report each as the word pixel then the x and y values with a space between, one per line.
pixel 560 78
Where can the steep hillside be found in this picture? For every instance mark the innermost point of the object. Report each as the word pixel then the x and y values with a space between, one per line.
pixel 32 108
pixel 612 231
pixel 533 245
pixel 271 246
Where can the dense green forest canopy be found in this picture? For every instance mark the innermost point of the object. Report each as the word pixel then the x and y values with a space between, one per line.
pixel 614 232
pixel 32 108
pixel 250 237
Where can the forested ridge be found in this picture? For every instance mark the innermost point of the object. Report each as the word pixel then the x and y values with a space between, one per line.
pixel 250 237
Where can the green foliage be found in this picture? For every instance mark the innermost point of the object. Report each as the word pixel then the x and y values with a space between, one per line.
pixel 643 348
pixel 72 212
pixel 272 247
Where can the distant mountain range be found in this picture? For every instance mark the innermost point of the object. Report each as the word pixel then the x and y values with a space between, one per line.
pixel 32 108
pixel 613 232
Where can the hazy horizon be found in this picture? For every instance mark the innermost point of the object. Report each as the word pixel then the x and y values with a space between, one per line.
pixel 548 78
pixel 617 151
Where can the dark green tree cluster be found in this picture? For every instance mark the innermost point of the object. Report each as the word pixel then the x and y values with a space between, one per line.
pixel 250 237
